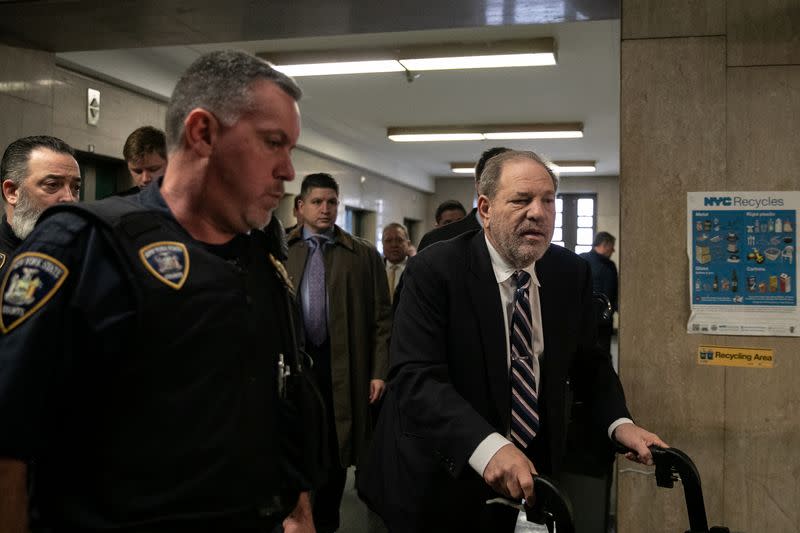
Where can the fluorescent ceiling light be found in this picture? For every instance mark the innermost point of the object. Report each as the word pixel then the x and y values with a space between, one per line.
pixel 510 135
pixel 488 61
pixel 463 168
pixel 441 56
pixel 562 167
pixel 574 167
pixel 346 67
pixel 434 137
pixel 486 132
pixel 21 86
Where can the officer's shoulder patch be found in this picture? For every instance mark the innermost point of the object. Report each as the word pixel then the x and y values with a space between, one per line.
pixel 32 279
pixel 283 275
pixel 168 261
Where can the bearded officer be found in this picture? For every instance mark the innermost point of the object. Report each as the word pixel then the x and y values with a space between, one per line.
pixel 35 172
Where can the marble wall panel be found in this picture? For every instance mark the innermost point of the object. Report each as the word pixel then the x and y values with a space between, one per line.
pixel 646 19
pixel 672 142
pixel 763 33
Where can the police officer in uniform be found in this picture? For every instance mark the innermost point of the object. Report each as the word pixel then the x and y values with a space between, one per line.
pixel 145 338
pixel 8 243
pixel 35 173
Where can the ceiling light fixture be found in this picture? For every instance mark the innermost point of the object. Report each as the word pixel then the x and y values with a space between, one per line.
pixel 481 132
pixel 462 168
pixel 446 56
pixel 342 67
pixel 562 167
pixel 574 167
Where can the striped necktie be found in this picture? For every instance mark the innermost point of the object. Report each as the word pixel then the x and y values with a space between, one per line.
pixel 524 398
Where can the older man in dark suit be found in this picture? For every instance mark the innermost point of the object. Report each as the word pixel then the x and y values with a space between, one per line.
pixel 490 327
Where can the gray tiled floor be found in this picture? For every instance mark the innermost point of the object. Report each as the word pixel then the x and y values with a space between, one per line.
pixel 354 514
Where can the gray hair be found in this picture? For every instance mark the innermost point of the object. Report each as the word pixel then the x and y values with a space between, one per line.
pixel 14 165
pixel 220 82
pixel 494 167
pixel 397 225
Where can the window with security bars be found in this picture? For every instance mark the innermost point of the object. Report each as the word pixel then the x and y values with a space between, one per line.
pixel 576 221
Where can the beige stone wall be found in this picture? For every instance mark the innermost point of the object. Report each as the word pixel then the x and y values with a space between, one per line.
pixel 26 93
pixel 710 100
pixel 385 200
pixel 121 112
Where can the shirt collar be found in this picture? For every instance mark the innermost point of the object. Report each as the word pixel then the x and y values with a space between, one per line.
pixel 502 270
pixel 328 235
pixel 400 264
pixel 150 197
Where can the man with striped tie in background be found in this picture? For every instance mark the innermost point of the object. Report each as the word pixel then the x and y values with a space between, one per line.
pixel 489 329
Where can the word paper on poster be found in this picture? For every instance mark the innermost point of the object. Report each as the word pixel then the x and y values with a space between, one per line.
pixel 742 249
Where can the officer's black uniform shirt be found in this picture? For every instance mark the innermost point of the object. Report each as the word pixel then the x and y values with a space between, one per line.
pixel 130 191
pixel 142 404
pixel 8 243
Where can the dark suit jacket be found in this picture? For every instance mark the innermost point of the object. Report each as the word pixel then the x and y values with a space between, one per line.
pixel 604 275
pixel 449 385
pixel 454 229
pixel 468 223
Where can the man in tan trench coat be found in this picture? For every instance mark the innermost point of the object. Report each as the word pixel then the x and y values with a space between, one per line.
pixel 344 294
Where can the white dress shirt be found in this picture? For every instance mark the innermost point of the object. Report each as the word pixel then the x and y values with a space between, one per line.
pixel 398 272
pixel 502 273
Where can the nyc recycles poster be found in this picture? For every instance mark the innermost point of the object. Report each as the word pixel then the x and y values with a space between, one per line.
pixel 742 249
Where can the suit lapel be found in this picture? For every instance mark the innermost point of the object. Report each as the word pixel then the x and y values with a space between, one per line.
pixel 548 301
pixel 296 262
pixel 483 290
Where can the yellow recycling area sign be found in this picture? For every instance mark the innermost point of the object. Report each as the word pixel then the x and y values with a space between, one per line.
pixel 731 356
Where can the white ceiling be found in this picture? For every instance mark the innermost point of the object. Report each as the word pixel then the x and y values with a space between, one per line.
pixel 346 117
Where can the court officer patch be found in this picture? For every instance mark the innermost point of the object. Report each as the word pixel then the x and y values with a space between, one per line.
pixel 32 279
pixel 168 261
